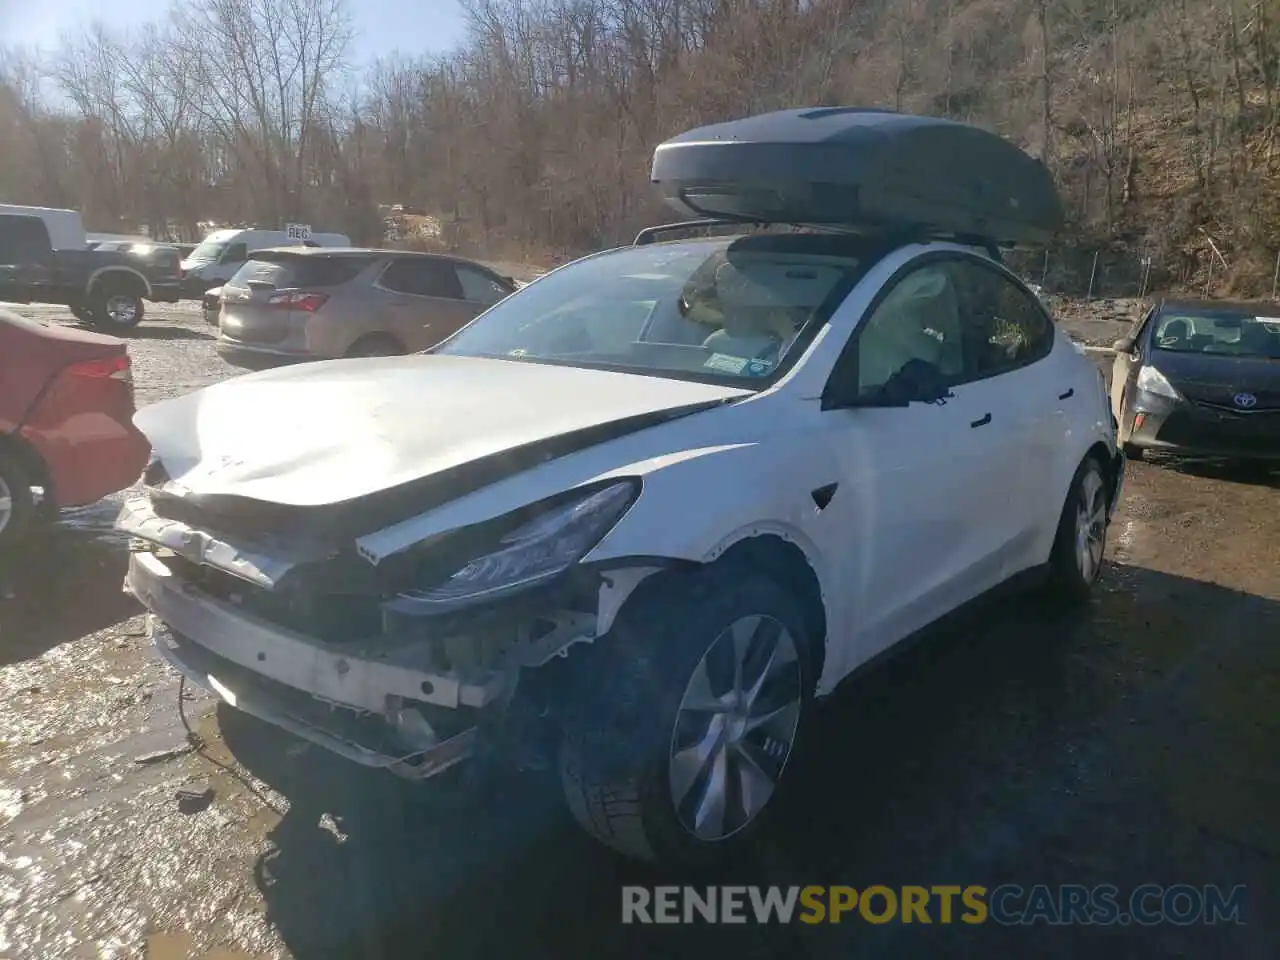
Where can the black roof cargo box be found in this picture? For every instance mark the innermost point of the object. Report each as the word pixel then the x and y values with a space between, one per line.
pixel 871 169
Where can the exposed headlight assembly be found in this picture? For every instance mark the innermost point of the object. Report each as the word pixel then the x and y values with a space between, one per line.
pixel 538 549
pixel 1153 381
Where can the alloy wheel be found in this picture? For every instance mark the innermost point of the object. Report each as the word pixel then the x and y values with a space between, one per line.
pixel 735 727
pixel 121 309
pixel 1091 526
pixel 6 504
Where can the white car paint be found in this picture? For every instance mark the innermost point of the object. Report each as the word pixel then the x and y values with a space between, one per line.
pixel 929 512
pixel 398 418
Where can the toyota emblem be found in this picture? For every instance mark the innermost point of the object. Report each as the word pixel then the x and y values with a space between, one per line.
pixel 1246 401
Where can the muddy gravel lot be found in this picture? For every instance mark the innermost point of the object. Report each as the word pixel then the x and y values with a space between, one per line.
pixel 1133 742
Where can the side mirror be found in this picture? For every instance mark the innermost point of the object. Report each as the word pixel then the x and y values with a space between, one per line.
pixel 1123 345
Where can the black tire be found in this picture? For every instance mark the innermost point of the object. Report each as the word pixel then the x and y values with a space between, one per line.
pixel 1069 579
pixel 116 304
pixel 20 514
pixel 376 345
pixel 80 313
pixel 618 740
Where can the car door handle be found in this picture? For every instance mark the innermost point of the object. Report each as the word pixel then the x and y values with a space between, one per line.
pixel 1068 395
pixel 981 423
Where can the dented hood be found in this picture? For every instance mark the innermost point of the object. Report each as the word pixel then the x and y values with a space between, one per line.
pixel 332 432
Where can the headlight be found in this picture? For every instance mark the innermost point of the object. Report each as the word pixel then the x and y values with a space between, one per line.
pixel 537 550
pixel 1153 381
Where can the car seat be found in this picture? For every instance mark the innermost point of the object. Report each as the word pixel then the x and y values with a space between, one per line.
pixel 1174 334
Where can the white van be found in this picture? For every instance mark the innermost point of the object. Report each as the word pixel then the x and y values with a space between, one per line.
pixel 223 252
pixel 66 229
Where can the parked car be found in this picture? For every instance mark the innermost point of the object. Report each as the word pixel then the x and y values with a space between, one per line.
pixel 45 258
pixel 1200 377
pixel 211 305
pixel 295 304
pixel 66 421
pixel 223 252
pixel 638 516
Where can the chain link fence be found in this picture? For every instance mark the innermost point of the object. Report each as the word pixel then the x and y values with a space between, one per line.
pixel 1113 273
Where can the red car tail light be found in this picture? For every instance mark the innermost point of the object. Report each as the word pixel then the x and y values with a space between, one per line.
pixel 110 368
pixel 310 302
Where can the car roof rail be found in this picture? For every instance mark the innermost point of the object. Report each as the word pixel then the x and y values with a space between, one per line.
pixel 651 234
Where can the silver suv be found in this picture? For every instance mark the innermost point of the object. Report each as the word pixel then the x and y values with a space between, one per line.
pixel 318 303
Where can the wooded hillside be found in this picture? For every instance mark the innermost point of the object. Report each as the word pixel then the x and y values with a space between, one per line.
pixel 1158 117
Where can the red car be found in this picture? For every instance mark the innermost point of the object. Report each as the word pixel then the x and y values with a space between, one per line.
pixel 66 420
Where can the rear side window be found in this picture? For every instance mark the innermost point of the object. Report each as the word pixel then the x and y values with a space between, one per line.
pixel 292 272
pixel 1004 326
pixel 22 239
pixel 422 277
pixel 479 287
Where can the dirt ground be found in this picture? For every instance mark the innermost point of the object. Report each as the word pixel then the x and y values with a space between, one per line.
pixel 1132 742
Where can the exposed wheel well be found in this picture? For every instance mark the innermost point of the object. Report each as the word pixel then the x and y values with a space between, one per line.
pixel 126 281
pixel 31 462
pixel 1100 453
pixel 782 561
pixel 372 338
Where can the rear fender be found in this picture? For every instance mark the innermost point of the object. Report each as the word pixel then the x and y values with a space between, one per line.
pixel 107 274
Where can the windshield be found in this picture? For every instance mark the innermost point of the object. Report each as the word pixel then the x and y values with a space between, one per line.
pixel 1227 332
pixel 723 309
pixel 209 250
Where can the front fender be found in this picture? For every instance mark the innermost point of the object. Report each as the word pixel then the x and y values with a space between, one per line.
pixel 696 506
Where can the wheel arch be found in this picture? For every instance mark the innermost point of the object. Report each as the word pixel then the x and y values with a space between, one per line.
pixel 1100 452
pixel 376 336
pixel 780 557
pixel 29 459
pixel 107 274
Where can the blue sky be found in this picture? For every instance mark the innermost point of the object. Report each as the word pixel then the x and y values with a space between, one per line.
pixel 413 26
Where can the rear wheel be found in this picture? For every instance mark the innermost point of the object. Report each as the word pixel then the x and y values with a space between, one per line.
pixel 17 507
pixel 376 346
pixel 116 304
pixel 694 705
pixel 1079 550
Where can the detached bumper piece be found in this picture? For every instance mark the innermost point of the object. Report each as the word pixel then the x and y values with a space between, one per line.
pixel 383 708
pixel 363 738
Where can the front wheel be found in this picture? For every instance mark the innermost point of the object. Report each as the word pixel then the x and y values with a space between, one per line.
pixel 693 710
pixel 1079 549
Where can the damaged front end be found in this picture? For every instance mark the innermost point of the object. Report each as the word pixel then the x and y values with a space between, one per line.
pixel 412 661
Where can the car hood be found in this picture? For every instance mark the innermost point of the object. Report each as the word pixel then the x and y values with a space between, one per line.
pixel 327 436
pixel 1215 378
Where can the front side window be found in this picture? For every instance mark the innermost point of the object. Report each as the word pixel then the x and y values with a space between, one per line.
pixel 1226 332
pixel 917 322
pixel 716 310
pixel 236 253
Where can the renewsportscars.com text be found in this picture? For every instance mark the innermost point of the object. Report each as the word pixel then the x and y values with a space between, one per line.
pixel 1009 904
